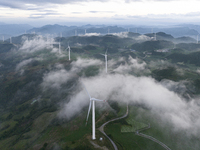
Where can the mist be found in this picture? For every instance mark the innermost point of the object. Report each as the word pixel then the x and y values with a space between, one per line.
pixel 163 99
pixel 133 65
pixel 59 76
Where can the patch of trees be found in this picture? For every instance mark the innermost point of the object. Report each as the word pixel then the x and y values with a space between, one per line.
pixel 24 124
pixel 6 47
pixel 166 73
pixel 189 46
pixel 152 45
pixel 192 58
pixel 89 47
pixel 127 54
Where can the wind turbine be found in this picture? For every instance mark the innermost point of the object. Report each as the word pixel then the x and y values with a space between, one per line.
pixel 92 102
pixel 3 38
pixel 69 50
pixel 59 48
pixel 75 32
pixel 197 38
pixel 106 61
pixel 10 39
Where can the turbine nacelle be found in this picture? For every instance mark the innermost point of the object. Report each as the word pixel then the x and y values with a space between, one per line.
pixel 94 99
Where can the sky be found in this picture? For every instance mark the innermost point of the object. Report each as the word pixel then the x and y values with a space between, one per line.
pixel 100 11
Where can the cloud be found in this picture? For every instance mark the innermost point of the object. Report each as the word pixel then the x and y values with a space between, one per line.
pixel 42 15
pixel 198 71
pixel 76 12
pixel 142 38
pixel 101 11
pixel 132 65
pixel 170 106
pixel 56 78
pixel 23 63
pixel 129 1
pixel 36 44
pixel 163 99
pixel 91 34
pixel 121 34
pixel 178 87
pixel 12 4
pixel 24 4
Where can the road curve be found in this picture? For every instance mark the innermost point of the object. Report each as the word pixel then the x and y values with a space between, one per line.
pixel 101 129
pixel 151 138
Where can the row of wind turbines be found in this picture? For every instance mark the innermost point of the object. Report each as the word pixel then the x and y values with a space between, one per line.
pixel 92 100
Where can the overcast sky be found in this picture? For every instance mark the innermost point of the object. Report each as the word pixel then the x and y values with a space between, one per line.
pixel 100 11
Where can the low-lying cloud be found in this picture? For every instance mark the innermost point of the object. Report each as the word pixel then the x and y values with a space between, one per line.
pixel 161 98
pixel 133 65
pixel 23 63
pixel 36 44
pixel 56 78
pixel 145 91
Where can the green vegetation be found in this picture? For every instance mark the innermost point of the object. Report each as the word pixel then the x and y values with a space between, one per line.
pixel 29 113
pixel 132 126
pixel 150 46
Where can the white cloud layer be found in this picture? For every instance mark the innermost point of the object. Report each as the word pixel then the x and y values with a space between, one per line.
pixel 23 63
pixel 36 44
pixel 161 98
pixel 140 90
pixel 55 79
pixel 132 65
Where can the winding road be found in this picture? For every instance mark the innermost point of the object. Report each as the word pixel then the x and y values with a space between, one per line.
pixel 153 139
pixel 101 129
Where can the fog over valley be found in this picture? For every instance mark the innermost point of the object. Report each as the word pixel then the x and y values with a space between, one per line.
pixel 103 74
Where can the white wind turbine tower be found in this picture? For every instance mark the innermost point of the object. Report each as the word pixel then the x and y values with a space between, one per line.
pixel 75 32
pixel 106 61
pixel 10 39
pixel 69 50
pixel 59 48
pixel 197 38
pixel 92 102
pixel 85 31
pixel 3 38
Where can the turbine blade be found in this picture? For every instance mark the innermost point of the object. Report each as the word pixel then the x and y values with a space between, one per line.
pixel 98 100
pixel 87 91
pixel 88 112
pixel 102 54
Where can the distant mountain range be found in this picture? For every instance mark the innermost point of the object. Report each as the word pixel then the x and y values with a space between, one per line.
pixel 9 30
